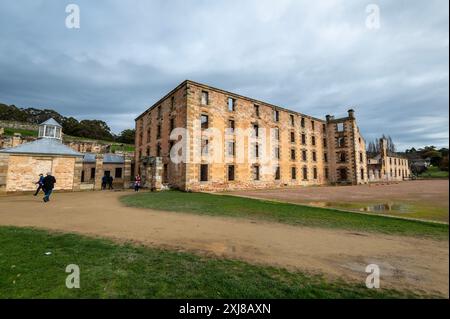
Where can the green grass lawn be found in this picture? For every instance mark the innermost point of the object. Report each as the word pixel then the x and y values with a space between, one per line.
pixel 11 131
pixel 223 205
pixel 434 172
pixel 109 270
pixel 122 148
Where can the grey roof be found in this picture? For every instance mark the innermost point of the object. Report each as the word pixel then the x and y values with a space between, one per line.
pixel 44 146
pixel 51 121
pixel 89 158
pixel 107 158
pixel 113 159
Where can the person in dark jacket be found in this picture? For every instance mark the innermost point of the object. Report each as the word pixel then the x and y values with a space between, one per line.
pixel 110 182
pixel 48 184
pixel 104 181
pixel 40 183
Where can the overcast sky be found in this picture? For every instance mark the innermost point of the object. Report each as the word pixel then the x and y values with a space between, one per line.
pixel 315 57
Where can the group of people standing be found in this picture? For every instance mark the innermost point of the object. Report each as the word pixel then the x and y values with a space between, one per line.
pixel 46 184
pixel 107 180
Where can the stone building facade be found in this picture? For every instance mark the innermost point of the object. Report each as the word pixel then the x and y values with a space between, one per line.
pixel 388 167
pixel 95 166
pixel 202 138
pixel 21 165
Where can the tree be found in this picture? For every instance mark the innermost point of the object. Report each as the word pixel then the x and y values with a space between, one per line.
pixel 374 146
pixel 127 136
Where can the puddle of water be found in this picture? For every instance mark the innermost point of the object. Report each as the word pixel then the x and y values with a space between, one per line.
pixel 375 208
pixel 387 207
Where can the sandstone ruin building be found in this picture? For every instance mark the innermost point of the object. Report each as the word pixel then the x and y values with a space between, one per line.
pixel 285 148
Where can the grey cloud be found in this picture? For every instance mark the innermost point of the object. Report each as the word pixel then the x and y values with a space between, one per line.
pixel 317 58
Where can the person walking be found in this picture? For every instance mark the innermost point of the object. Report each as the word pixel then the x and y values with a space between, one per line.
pixel 40 183
pixel 48 183
pixel 104 181
pixel 110 182
pixel 137 183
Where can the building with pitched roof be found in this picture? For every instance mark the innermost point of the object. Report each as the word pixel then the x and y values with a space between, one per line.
pixel 21 165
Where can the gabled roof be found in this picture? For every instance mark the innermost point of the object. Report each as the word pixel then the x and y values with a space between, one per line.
pixel 51 121
pixel 44 146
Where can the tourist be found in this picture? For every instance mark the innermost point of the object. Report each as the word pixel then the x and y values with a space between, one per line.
pixel 137 183
pixel 48 184
pixel 110 182
pixel 104 181
pixel 40 183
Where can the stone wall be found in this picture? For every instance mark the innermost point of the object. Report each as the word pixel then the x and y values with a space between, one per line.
pixel 19 125
pixel 23 172
pixel 169 110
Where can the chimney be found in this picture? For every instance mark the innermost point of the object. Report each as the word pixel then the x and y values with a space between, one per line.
pixel 351 113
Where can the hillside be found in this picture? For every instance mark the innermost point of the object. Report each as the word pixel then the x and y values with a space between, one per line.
pixel 92 129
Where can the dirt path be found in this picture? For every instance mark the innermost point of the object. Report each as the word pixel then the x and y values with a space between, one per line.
pixel 404 262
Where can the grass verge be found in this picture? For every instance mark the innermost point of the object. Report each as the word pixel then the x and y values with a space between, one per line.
pixel 224 205
pixel 109 270
pixel 434 172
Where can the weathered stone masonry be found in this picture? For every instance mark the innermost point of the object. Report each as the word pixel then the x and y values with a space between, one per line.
pixel 308 151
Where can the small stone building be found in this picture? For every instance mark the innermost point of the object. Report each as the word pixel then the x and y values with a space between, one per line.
pixel 95 166
pixel 21 165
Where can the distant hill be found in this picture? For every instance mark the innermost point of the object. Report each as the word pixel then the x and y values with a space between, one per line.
pixel 93 129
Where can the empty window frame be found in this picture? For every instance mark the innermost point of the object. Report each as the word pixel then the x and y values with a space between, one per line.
pixel 340 127
pixel 292 119
pixel 231 148
pixel 277 173
pixel 204 121
pixel 315 172
pixel 255 130
pixel 203 172
pixel 158 150
pixel 256 109
pixel 292 137
pixel 231 104
pixel 276 153
pixel 293 154
pixel 304 139
pixel 304 156
pixel 205 98
pixel 276 133
pixel 231 171
pixel 255 172
pixel 118 172
pixel 231 124
pixel 158 131
pixel 305 173
pixel 293 172
pixel 276 115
